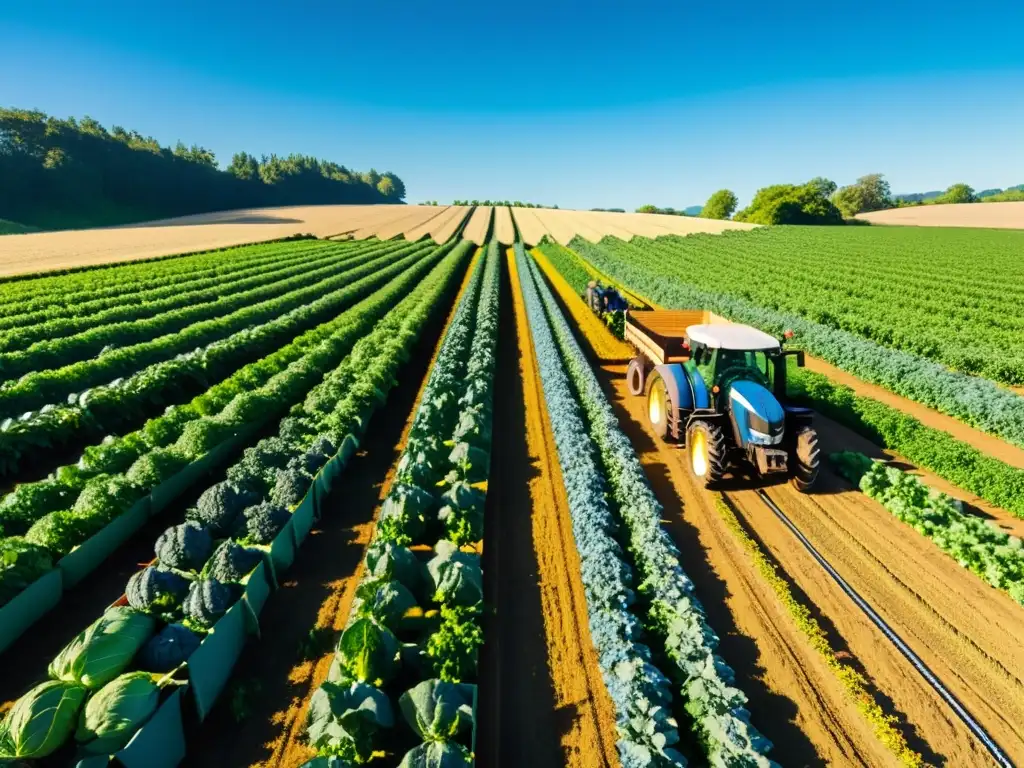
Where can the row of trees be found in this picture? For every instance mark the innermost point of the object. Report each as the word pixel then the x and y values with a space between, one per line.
pixel 496 203
pixel 74 173
pixel 820 201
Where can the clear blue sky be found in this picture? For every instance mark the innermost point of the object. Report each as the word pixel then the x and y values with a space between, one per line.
pixel 583 104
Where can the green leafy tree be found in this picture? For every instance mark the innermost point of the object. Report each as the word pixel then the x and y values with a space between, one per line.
pixel 386 187
pixel 790 204
pixel 647 209
pixel 868 193
pixel 958 193
pixel 721 205
pixel 827 187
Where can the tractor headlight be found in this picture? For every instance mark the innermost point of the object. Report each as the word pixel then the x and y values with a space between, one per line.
pixel 763 438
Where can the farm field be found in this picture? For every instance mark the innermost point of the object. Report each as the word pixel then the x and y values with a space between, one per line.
pixel 1008 215
pixel 384 498
pixel 22 254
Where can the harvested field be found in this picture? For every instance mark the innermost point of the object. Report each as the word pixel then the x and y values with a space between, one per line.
pixel 989 215
pixel 564 225
pixel 504 229
pixel 479 224
pixel 530 227
pixel 450 225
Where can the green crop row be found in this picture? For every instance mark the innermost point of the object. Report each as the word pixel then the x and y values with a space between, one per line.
pixel 122 320
pixel 48 289
pixel 667 607
pixel 126 402
pixel 422 617
pixel 36 389
pixel 76 501
pixel 204 565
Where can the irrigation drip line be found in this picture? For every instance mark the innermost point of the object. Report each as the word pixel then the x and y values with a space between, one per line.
pixel 944 693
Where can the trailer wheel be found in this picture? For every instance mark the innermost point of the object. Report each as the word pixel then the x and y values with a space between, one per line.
pixel 659 406
pixel 706 450
pixel 805 459
pixel 636 377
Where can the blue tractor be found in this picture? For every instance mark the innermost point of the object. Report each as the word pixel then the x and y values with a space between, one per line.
pixel 720 389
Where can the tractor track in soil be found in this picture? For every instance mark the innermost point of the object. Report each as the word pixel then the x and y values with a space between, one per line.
pixel 795 700
pixel 274 679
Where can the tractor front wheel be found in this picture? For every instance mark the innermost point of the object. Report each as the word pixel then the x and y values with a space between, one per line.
pixel 706 450
pixel 659 407
pixel 635 376
pixel 805 459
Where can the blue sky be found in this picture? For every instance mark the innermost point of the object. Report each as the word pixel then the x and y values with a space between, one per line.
pixel 607 104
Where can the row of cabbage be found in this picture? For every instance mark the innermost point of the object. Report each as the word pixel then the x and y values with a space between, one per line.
pixel 43 385
pixel 643 266
pixel 975 544
pixel 107 683
pixel 30 293
pixel 617 519
pixel 126 402
pixel 412 638
pixel 45 521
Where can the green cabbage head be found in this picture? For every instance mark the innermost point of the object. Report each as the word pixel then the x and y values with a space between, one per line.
pixel 116 711
pixel 41 720
pixel 104 650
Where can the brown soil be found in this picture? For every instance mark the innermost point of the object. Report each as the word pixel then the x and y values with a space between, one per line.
pixel 795 700
pixel 538 567
pixel 995 215
pixel 984 442
pixel 965 631
pixel 276 677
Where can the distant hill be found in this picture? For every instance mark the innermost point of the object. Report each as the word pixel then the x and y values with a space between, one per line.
pixel 14 228
pixel 919 197
pixel 693 210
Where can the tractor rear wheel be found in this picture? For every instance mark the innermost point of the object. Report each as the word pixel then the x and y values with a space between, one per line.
pixel 635 378
pixel 706 450
pixel 805 459
pixel 659 407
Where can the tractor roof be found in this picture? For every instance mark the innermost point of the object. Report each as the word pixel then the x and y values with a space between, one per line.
pixel 732 336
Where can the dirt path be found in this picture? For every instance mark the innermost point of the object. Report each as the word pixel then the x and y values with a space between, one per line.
pixel 276 677
pixel 539 553
pixel 795 700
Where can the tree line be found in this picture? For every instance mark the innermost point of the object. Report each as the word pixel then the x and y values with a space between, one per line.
pixel 495 203
pixel 67 173
pixel 821 201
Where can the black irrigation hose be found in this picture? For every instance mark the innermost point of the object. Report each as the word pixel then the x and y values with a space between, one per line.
pixel 929 676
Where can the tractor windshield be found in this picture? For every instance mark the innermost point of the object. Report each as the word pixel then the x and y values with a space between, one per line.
pixel 749 361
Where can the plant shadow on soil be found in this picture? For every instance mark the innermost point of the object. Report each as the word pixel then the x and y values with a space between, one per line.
pixel 331 555
pixel 517 697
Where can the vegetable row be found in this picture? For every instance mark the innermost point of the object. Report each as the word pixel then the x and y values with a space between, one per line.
pixel 126 402
pixel 78 501
pixel 105 685
pixel 932 449
pixel 642 265
pixel 42 386
pixel 975 544
pixel 939 304
pixel 412 639
pixel 51 291
pixel 609 500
